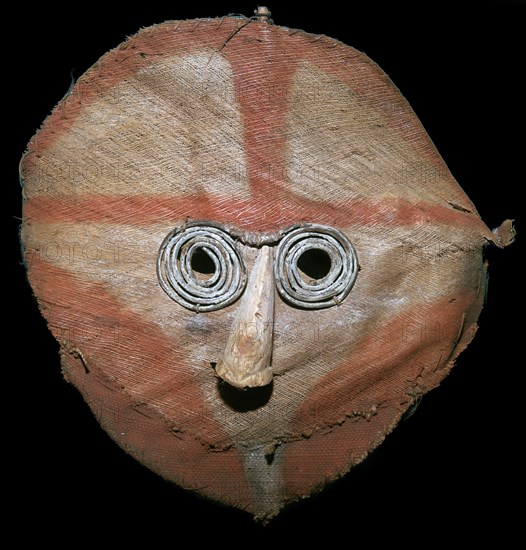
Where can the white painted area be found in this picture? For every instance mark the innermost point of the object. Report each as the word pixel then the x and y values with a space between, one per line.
pixel 340 148
pixel 172 128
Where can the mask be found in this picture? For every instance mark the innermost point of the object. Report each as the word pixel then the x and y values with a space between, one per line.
pixel 251 254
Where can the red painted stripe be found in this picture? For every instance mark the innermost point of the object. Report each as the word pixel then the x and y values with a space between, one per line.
pixel 408 356
pixel 174 456
pixel 114 340
pixel 276 212
pixel 263 59
pixel 380 366
pixel 263 64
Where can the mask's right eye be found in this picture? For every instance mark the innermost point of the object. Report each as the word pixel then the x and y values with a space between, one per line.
pixel 200 268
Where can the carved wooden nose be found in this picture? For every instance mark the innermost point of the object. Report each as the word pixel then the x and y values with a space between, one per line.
pixel 248 352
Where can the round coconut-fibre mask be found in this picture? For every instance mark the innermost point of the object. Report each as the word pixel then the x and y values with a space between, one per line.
pixel 231 230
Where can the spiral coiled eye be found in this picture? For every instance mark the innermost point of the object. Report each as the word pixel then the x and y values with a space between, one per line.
pixel 315 267
pixel 199 267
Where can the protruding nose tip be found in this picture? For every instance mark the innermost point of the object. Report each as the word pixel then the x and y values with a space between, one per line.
pixel 248 351
pixel 252 380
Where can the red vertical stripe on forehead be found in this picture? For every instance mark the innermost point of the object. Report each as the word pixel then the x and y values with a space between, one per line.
pixel 263 64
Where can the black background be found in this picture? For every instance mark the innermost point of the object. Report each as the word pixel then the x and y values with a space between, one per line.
pixel 455 467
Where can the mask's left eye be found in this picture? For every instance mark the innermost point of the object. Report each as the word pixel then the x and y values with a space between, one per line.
pixel 315 267
pixel 199 267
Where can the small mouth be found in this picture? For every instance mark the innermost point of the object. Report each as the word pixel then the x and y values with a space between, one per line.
pixel 246 399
